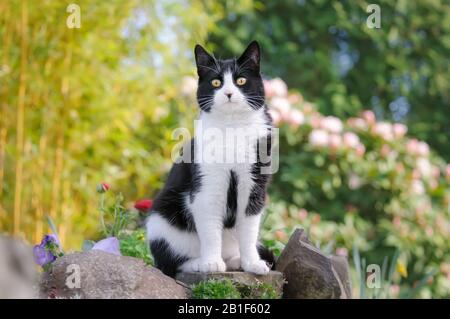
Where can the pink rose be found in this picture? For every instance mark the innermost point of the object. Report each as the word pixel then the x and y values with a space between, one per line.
pixel 360 150
pixel 296 118
pixel 399 130
pixel 302 214
pixel 424 167
pixel 385 150
pixel 319 138
pixel 335 141
pixel 423 149
pixel 282 105
pixel 315 121
pixel 436 172
pixel 351 140
pixel 276 117
pixel 279 87
pixel 384 130
pixel 417 187
pixel 411 146
pixel 331 124
pixel 268 89
pixel 357 123
pixel 394 290
pixel 369 117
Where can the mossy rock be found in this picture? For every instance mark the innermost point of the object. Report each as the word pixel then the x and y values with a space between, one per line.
pixel 233 285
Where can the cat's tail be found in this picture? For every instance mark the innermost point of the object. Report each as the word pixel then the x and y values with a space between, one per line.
pixel 267 255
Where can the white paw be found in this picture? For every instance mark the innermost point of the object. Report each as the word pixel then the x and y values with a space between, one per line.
pixel 204 265
pixel 257 266
pixel 211 265
pixel 233 263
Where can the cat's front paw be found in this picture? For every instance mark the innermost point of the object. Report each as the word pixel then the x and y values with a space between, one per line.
pixel 204 265
pixel 211 265
pixel 257 266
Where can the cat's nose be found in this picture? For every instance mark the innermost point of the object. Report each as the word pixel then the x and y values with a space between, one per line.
pixel 229 95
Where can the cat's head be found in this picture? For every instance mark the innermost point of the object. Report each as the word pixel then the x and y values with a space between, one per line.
pixel 230 86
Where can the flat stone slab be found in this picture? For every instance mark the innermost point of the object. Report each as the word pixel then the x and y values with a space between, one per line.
pixel 274 278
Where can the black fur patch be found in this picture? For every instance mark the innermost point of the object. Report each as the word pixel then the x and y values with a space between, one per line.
pixel 266 255
pixel 230 217
pixel 184 178
pixel 165 259
pixel 257 197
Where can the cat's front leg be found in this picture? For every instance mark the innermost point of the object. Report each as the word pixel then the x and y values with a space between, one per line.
pixel 248 228
pixel 208 211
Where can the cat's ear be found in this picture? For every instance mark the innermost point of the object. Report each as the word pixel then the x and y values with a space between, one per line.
pixel 205 62
pixel 251 56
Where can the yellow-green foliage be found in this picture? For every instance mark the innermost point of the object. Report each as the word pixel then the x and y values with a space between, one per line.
pixel 98 103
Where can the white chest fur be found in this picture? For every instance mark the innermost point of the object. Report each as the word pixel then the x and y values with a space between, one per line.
pixel 229 141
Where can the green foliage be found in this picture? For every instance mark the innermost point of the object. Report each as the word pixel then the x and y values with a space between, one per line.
pixel 257 291
pixel 362 183
pixel 97 103
pixel 387 289
pixel 215 289
pixel 228 289
pixel 114 216
pixel 134 244
pixel 122 223
pixel 326 50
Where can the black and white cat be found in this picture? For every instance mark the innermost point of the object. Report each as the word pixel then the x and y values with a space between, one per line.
pixel 207 216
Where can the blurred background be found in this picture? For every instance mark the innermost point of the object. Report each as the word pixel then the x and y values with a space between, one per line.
pixel 363 116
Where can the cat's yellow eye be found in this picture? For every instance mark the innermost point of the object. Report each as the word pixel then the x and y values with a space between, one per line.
pixel 216 83
pixel 241 81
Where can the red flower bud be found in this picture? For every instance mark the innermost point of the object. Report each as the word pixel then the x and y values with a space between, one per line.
pixel 102 187
pixel 143 205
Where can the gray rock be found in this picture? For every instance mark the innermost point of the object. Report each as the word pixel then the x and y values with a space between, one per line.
pixel 340 266
pixel 97 274
pixel 273 278
pixel 309 273
pixel 18 273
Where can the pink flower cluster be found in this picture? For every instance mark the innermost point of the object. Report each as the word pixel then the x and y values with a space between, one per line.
pixel 424 172
pixel 281 103
pixel 387 131
pixel 328 133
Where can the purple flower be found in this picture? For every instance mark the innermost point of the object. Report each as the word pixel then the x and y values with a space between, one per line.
pixel 42 256
pixel 109 245
pixel 46 251
pixel 50 239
